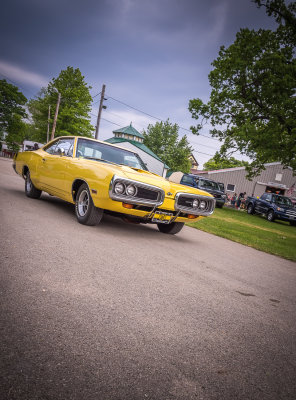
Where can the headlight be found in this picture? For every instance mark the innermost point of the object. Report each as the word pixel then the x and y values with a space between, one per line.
pixel 280 209
pixel 195 203
pixel 131 190
pixel 119 188
pixel 202 205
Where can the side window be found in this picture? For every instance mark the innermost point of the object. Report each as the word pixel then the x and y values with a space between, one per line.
pixel 51 148
pixel 64 144
pixel 264 196
pixel 269 196
pixel 70 151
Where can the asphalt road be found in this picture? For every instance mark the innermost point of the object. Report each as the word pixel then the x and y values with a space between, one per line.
pixel 121 311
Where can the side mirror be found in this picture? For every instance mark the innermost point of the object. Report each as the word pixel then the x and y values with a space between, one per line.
pixel 61 151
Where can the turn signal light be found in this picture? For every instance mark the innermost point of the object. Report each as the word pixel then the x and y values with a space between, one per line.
pixel 126 205
pixel 191 216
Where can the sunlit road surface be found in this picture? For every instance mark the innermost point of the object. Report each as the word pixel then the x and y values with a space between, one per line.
pixel 121 311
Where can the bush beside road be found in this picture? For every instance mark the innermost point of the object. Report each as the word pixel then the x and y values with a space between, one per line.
pixel 278 238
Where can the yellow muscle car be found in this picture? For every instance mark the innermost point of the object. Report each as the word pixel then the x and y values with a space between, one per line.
pixel 98 177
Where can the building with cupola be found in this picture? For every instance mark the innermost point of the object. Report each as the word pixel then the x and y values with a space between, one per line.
pixel 129 138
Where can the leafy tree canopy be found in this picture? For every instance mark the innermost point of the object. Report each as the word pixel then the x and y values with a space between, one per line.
pixel 162 138
pixel 75 106
pixel 252 105
pixel 12 109
pixel 222 161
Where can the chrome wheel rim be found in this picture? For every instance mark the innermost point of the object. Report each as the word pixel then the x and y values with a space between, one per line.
pixel 28 184
pixel 83 203
pixel 269 216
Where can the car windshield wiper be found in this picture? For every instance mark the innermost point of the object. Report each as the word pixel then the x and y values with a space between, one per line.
pixel 99 159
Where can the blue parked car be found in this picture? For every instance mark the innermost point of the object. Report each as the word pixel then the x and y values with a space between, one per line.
pixel 214 188
pixel 274 206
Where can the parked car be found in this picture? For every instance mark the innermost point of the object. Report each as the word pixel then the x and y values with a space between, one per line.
pixel 214 188
pixel 103 178
pixel 274 206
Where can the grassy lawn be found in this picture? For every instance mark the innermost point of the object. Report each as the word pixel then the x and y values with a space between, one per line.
pixel 277 237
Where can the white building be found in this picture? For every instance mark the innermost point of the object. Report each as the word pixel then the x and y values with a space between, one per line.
pixel 129 138
pixel 274 178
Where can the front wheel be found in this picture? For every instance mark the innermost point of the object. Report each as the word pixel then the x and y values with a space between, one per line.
pixel 270 216
pixel 30 189
pixel 172 228
pixel 250 209
pixel 85 210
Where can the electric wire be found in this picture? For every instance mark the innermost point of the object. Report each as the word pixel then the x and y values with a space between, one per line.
pixel 159 119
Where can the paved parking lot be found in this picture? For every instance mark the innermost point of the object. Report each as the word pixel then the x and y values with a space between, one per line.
pixel 121 311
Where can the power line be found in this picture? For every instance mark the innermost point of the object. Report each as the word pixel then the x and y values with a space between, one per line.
pixel 96 95
pixel 16 84
pixel 159 119
pixel 111 122
pixel 116 115
pixel 114 123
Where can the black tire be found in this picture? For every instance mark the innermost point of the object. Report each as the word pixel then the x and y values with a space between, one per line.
pixel 250 209
pixel 270 216
pixel 30 189
pixel 219 205
pixel 86 212
pixel 170 229
pixel 293 223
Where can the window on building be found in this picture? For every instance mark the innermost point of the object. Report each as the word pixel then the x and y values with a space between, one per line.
pixel 230 187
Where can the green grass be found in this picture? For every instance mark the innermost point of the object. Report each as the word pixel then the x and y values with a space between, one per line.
pixel 277 237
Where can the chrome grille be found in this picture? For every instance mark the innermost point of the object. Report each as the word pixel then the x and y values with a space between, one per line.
pixel 146 194
pixel 184 202
pixel 291 213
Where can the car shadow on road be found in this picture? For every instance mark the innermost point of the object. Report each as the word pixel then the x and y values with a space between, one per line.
pixel 112 226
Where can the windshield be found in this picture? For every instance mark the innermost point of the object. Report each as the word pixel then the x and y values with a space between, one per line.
pixel 100 151
pixel 283 201
pixel 221 186
pixel 205 184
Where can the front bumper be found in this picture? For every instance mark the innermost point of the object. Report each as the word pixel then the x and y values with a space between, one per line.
pixel 170 208
pixel 285 217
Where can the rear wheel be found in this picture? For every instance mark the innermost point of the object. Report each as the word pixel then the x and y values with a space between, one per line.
pixel 250 209
pixel 172 228
pixel 86 212
pixel 293 223
pixel 30 189
pixel 270 216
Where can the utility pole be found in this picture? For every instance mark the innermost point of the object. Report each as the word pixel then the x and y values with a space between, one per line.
pixel 100 110
pixel 55 116
pixel 48 119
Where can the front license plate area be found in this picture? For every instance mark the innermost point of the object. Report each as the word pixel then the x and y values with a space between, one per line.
pixel 161 217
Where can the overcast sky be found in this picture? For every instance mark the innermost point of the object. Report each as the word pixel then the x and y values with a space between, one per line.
pixel 154 55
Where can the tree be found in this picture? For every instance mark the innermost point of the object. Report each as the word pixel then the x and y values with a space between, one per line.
pixel 73 117
pixel 162 138
pixel 222 161
pixel 252 105
pixel 12 109
pixel 17 132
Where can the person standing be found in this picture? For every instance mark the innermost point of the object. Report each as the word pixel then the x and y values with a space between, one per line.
pixel 233 200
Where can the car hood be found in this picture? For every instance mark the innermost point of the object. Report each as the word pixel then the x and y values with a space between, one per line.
pixel 170 188
pixel 213 192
